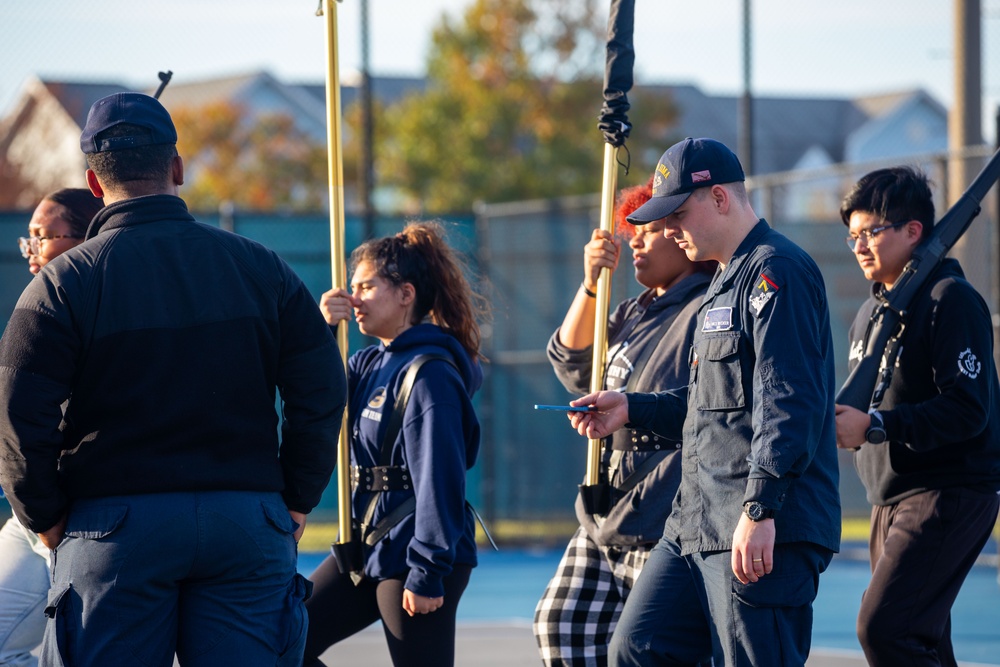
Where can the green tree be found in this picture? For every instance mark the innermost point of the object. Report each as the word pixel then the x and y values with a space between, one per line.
pixel 510 109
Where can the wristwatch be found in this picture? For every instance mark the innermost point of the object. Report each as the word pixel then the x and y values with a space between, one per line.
pixel 875 434
pixel 757 511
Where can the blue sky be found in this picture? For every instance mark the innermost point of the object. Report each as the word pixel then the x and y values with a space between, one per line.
pixel 802 47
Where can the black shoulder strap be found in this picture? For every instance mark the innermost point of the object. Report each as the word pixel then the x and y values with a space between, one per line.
pixel 402 398
pixel 391 432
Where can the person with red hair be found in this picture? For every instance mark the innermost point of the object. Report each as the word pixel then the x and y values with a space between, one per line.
pixel 648 341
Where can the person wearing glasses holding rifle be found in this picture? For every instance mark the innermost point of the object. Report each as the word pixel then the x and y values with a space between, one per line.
pixel 649 337
pixel 58 223
pixel 928 449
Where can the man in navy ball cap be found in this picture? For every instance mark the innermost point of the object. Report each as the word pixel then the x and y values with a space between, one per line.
pixel 757 515
pixel 141 111
pixel 683 168
pixel 175 511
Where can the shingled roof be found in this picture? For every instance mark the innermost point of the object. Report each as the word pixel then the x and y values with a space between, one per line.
pixel 789 132
pixel 77 97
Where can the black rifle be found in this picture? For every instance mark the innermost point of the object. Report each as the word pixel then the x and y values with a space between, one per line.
pixel 891 312
pixel 164 80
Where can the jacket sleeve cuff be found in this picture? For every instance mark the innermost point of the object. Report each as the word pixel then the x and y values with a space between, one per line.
pixel 765 489
pixel 892 421
pixel 641 410
pixel 422 583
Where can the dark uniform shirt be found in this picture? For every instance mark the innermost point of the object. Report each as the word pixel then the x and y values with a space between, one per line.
pixel 172 337
pixel 942 407
pixel 758 418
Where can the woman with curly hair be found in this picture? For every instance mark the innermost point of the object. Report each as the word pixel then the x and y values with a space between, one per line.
pixel 648 341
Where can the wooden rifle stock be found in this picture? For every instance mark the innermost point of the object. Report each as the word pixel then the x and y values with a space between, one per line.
pixel 857 390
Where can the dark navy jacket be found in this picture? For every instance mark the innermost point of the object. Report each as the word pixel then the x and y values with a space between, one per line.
pixel 172 337
pixel 658 330
pixel 438 442
pixel 942 408
pixel 758 418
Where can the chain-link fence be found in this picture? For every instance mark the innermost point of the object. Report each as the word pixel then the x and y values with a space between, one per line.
pixel 529 255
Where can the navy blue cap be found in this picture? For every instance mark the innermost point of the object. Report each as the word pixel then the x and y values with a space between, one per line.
pixel 133 108
pixel 685 167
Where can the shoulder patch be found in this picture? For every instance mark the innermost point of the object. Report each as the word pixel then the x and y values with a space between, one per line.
pixel 763 291
pixel 968 364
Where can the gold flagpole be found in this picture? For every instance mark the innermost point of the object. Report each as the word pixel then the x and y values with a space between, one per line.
pixel 609 186
pixel 335 160
pixel 595 493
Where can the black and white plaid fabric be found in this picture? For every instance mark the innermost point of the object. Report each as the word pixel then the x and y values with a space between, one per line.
pixel 581 605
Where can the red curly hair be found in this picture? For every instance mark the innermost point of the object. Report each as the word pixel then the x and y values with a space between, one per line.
pixel 626 203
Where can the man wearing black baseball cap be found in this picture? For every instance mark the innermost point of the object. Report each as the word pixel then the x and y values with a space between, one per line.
pixel 757 515
pixel 175 511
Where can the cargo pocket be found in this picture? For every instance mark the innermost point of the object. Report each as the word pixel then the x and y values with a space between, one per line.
pixel 720 378
pixel 95 523
pixel 279 517
pixel 296 623
pixel 796 589
pixel 54 645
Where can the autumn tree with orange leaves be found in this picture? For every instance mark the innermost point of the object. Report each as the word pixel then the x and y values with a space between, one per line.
pixel 261 163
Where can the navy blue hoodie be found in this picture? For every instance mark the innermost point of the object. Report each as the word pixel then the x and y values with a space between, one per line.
pixel 438 442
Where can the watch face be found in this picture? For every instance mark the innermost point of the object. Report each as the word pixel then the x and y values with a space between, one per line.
pixel 875 436
pixel 755 511
pixel 876 431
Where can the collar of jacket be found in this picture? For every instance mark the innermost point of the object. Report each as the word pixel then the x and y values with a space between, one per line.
pixel 947 267
pixel 137 211
pixel 746 246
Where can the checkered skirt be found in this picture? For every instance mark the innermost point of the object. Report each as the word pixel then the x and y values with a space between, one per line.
pixel 580 607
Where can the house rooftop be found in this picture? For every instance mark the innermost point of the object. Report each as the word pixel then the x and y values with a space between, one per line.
pixel 77 97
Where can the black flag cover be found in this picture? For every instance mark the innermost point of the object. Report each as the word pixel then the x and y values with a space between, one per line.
pixel 618 73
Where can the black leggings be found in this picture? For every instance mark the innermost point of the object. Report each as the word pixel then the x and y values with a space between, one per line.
pixel 339 609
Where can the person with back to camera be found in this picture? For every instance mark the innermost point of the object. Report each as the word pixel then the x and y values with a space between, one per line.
pixel 757 516
pixel 171 508
pixel 409 292
pixel 58 223
pixel 928 450
pixel 649 337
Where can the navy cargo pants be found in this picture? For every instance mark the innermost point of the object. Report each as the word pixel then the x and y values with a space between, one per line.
pixel 691 610
pixel 208 575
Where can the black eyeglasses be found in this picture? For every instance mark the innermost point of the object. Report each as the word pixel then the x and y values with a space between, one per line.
pixel 32 245
pixel 870 234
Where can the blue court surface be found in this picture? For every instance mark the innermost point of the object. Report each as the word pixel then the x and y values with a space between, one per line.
pixel 501 597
